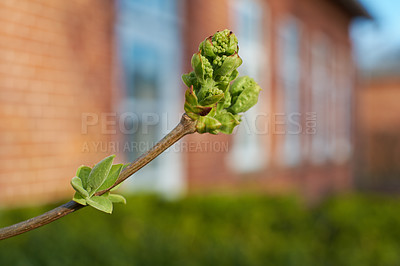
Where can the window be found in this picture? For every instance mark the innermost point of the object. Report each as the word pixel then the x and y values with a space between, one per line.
pixel 345 104
pixel 289 76
pixel 321 87
pixel 248 153
pixel 149 51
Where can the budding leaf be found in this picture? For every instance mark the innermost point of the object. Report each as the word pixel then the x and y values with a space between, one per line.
pixel 190 80
pixel 83 173
pixel 207 124
pixel 228 122
pixel 76 183
pixel 245 93
pixel 116 187
pixel 116 198
pixel 79 199
pixel 102 203
pixel 211 99
pixel 207 48
pixel 112 176
pixel 229 65
pixel 99 174
pixel 198 66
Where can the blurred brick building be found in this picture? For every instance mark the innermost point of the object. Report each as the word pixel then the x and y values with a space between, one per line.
pixel 299 137
pixel 77 76
pixel 55 64
pixel 378 158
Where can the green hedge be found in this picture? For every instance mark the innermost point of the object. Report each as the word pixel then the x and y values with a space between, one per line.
pixel 212 230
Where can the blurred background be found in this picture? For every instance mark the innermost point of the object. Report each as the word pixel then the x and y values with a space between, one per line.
pixel 310 177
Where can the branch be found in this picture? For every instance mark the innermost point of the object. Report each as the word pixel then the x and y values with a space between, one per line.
pixel 186 126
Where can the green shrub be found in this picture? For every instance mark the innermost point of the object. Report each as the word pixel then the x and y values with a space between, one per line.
pixel 214 230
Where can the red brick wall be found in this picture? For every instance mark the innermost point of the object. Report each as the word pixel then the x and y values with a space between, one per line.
pixel 203 18
pixel 379 134
pixel 55 64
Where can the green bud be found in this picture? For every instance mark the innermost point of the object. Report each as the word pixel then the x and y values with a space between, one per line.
pixel 202 67
pixel 244 92
pixel 207 48
pixel 229 65
pixel 192 107
pixel 225 42
pixel 212 96
pixel 211 100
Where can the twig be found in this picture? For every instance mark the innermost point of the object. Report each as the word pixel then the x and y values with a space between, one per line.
pixel 186 126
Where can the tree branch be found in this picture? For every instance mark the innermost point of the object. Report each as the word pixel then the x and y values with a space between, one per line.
pixel 186 126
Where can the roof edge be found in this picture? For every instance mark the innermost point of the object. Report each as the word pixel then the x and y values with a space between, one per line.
pixel 354 7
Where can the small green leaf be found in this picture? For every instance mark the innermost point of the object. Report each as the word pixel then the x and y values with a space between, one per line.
pixel 229 65
pixel 207 124
pixel 102 203
pixel 207 48
pixel 116 198
pixel 76 183
pixel 198 66
pixel 112 176
pixel 190 80
pixel 234 75
pixel 191 97
pixel 233 44
pixel 211 99
pixel 245 93
pixel 116 187
pixel 99 174
pixel 79 199
pixel 83 173
pixel 228 121
pixel 227 100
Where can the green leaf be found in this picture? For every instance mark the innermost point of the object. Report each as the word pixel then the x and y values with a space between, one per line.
pixel 211 99
pixel 229 65
pixel 116 187
pixel 207 48
pixel 83 173
pixel 207 124
pixel 190 80
pixel 198 66
pixel 191 97
pixel 233 44
pixel 228 122
pixel 227 100
pixel 76 183
pixel 234 75
pixel 112 176
pixel 245 93
pixel 79 199
pixel 116 198
pixel 99 174
pixel 102 203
